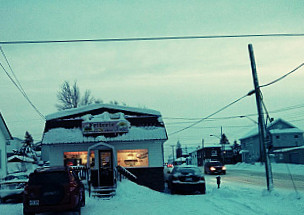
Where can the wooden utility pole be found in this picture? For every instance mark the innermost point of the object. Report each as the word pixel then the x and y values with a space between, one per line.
pixel 262 128
pixel 173 152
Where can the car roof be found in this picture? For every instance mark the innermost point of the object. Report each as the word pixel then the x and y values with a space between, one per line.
pixel 52 169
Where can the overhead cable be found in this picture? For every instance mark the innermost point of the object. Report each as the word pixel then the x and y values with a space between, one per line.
pixel 18 85
pixel 284 76
pixel 221 109
pixel 148 38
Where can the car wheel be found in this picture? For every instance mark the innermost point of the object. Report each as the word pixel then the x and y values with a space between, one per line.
pixel 83 199
pixel 77 210
pixel 203 190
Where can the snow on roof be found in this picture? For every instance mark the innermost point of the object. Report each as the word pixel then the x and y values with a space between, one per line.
pixel 20 158
pixel 286 130
pixel 87 108
pixel 292 129
pixel 288 149
pixel 251 133
pixel 62 135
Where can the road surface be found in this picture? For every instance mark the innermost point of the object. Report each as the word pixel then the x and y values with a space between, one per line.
pixel 280 180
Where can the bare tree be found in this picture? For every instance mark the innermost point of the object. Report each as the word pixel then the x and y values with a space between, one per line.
pixel 87 98
pixel 68 96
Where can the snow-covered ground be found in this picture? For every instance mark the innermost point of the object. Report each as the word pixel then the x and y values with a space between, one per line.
pixel 230 199
pixel 296 169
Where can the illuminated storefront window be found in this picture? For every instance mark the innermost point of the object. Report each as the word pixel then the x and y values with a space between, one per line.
pixel 78 158
pixel 133 158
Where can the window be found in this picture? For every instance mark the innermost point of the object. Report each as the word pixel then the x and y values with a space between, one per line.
pixel 77 158
pixel 213 153
pixel 133 158
pixel 296 136
pixel 277 137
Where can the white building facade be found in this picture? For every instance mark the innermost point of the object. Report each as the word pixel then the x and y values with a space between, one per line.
pixel 5 137
pixel 137 136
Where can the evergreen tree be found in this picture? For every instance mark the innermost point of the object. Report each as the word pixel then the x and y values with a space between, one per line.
pixel 27 148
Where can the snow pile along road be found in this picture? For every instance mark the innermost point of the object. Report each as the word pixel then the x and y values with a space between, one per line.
pixel 137 200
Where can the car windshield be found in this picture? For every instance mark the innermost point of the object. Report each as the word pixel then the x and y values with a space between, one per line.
pixel 215 164
pixel 49 178
pixel 188 170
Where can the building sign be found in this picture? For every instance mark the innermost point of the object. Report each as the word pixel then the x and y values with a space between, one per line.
pixel 106 127
pixel 133 158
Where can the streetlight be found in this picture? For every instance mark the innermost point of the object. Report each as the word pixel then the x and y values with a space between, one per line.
pixel 213 135
pixel 249 119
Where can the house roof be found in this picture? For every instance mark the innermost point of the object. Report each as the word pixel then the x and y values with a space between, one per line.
pixel 4 129
pixel 75 135
pixel 274 128
pixel 98 109
pixel 68 128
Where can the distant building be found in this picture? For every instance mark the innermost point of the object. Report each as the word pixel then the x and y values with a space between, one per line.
pixel 290 155
pixel 281 135
pixel 13 146
pixel 5 137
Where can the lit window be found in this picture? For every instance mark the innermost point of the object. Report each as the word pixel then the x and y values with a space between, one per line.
pixel 77 158
pixel 133 158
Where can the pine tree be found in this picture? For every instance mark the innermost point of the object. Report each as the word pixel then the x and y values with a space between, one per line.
pixel 27 148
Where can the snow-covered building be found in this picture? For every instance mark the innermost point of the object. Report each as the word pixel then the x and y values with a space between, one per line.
pixel 5 137
pixel 290 155
pixel 281 135
pixel 13 146
pixel 137 136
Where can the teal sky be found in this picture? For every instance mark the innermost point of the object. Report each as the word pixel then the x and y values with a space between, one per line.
pixel 181 78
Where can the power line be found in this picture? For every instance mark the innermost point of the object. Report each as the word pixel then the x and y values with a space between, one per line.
pixel 223 108
pixel 18 85
pixel 148 38
pixel 284 76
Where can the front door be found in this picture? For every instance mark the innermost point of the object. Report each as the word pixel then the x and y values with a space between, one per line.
pixel 106 177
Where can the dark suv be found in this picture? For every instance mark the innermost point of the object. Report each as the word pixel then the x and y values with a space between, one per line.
pixel 53 189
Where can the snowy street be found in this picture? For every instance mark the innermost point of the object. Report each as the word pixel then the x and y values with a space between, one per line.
pixel 233 197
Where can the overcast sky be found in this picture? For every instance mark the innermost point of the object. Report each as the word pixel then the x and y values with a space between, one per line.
pixel 180 78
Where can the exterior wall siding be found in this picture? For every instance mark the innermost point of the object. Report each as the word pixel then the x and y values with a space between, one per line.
pixel 3 158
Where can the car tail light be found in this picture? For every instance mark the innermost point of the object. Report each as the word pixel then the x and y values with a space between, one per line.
pixel 26 190
pixel 202 178
pixel 73 186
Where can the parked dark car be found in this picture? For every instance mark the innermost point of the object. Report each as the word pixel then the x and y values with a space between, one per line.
pixel 186 179
pixel 214 167
pixel 53 189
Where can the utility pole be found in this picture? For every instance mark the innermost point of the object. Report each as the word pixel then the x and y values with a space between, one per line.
pixel 173 152
pixel 222 146
pixel 262 127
